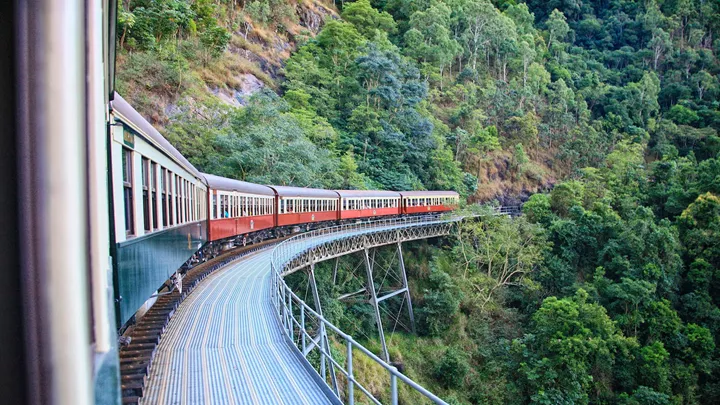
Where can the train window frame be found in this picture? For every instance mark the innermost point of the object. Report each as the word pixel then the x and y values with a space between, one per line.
pixel 163 196
pixel 153 194
pixel 172 221
pixel 128 198
pixel 145 187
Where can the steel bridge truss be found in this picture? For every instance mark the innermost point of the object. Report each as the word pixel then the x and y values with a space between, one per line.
pixel 306 326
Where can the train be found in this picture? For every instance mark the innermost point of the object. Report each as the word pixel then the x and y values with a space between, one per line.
pixel 169 216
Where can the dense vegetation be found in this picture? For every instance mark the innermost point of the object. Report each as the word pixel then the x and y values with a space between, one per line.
pixel 606 290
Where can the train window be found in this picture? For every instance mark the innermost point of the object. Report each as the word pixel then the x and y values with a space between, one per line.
pixel 170 193
pixel 178 220
pixel 223 206
pixel 183 184
pixel 163 196
pixel 193 211
pixel 213 208
pixel 186 198
pixel 127 162
pixel 153 190
pixel 180 200
pixel 145 170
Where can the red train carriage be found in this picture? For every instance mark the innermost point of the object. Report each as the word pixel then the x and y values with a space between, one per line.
pixel 368 203
pixel 297 205
pixel 418 202
pixel 237 207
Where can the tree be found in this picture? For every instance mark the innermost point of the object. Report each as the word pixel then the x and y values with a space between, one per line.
pixel 428 38
pixel 214 41
pixel 367 20
pixel 497 252
pixel 557 27
pixel 570 351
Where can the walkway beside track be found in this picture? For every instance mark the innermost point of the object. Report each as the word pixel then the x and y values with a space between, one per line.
pixel 224 345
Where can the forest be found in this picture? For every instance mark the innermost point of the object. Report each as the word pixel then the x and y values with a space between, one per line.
pixel 602 116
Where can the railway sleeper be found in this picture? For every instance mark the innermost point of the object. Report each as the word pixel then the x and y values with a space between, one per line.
pixel 132 389
pixel 138 368
pixel 131 400
pixel 135 360
pixel 137 353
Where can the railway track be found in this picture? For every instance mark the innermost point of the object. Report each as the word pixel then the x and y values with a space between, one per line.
pixel 137 355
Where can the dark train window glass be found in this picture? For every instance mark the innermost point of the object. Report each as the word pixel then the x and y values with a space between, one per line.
pixel 145 195
pixel 178 220
pixel 128 192
pixel 189 200
pixel 171 193
pixel 213 209
pixel 163 196
pixel 153 189
pixel 224 206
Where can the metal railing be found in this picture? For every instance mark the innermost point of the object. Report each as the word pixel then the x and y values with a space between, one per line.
pixel 307 328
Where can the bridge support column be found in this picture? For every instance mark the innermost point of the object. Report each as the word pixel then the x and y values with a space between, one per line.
pixel 403 274
pixel 374 302
pixel 337 263
pixel 324 342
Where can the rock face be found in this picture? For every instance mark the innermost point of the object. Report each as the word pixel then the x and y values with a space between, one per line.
pixel 238 96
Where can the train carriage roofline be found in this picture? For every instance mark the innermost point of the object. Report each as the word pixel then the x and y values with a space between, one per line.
pixel 128 115
pixel 287 191
pixel 368 194
pixel 226 184
pixel 429 193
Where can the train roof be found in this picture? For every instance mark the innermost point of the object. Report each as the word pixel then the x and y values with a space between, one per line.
pixel 429 193
pixel 130 116
pixel 368 193
pixel 226 184
pixel 286 191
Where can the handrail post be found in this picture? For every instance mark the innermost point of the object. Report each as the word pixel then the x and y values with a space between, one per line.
pixel 292 317
pixel 302 325
pixel 393 388
pixel 350 377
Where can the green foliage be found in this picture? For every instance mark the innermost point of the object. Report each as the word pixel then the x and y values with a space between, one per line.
pixel 441 304
pixel 569 355
pixel 452 368
pixel 265 144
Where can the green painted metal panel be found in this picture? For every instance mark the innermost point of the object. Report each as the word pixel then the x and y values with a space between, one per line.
pixel 144 263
